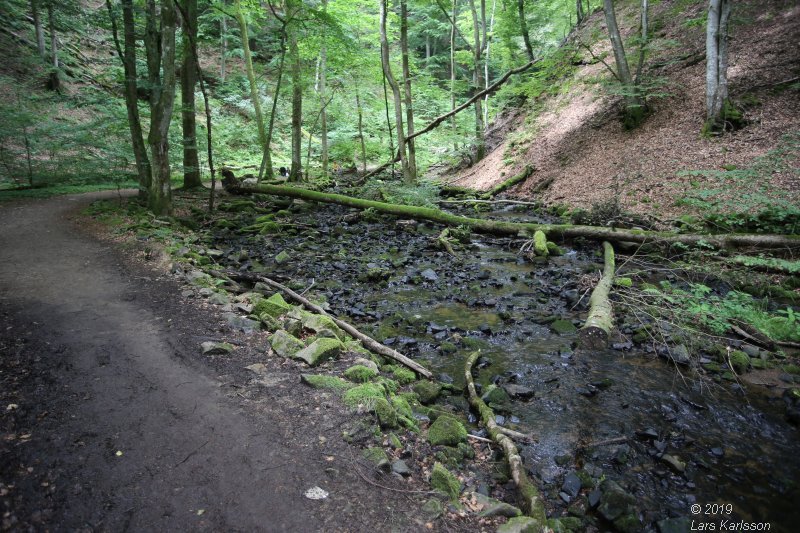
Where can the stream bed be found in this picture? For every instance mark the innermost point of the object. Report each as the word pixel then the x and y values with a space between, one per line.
pixel 668 437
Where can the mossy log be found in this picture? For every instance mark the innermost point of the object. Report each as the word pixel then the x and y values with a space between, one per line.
pixel 531 499
pixel 507 184
pixel 594 333
pixel 557 232
pixel 368 342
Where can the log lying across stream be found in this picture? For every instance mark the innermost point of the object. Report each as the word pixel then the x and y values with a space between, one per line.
pixel 531 499
pixel 555 232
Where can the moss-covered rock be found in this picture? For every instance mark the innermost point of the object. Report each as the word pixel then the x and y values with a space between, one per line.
pixel 365 394
pixel 563 327
pixel 320 381
pixel 522 524
pixel 446 430
pixel 318 351
pixel 282 257
pixel 387 416
pixel 445 482
pixel 427 391
pixel 495 395
pixel 360 373
pixel 403 375
pixel 285 344
pixel 377 457
pixel 401 406
pixel 323 326
pixel 554 249
pixel 273 306
pixel 740 361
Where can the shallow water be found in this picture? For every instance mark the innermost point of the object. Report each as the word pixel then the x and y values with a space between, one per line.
pixel 737 448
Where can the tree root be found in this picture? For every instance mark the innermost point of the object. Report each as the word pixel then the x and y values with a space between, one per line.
pixel 532 501
pixel 368 342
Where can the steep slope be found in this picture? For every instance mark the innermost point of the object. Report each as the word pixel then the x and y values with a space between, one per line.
pixel 577 139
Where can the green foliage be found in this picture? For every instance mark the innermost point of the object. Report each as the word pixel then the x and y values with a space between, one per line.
pixel 742 199
pixel 715 313
pixel 423 194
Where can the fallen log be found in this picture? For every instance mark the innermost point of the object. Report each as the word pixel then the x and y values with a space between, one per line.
pixel 594 333
pixel 556 232
pixel 507 184
pixel 490 202
pixel 367 341
pixel 531 500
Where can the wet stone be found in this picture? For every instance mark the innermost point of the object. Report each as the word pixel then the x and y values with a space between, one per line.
pixel 572 485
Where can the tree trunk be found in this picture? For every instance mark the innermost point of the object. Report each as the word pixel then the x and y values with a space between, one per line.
pixel 223 51
pixel 486 66
pixel 128 57
pixel 555 232
pixel 323 65
pixel 594 333
pixel 634 104
pixel 398 109
pixel 55 81
pixel 361 129
pixel 477 75
pixel 643 45
pixel 162 100
pixel 37 28
pixel 579 13
pixel 717 63
pixel 523 27
pixel 251 77
pixel 269 171
pixel 191 161
pixel 295 174
pixel 453 73
pixel 412 157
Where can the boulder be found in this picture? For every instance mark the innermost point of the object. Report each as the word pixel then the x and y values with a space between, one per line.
pixel 446 430
pixel 273 306
pixel 318 351
pixel 323 326
pixel 285 344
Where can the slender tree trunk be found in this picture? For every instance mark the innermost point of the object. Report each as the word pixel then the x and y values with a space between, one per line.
pixel 717 62
pixel 412 156
pixel 269 171
pixel 37 27
pixel 361 130
pixel 453 72
pixel 251 78
pixel 162 100
pixel 223 50
pixel 55 82
pixel 486 66
pixel 579 13
pixel 128 57
pixel 523 28
pixel 477 75
pixel 643 46
pixel 323 65
pixel 191 161
pixel 634 103
pixel 295 174
pixel 398 109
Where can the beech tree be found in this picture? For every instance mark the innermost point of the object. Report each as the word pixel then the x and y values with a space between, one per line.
pixel 635 107
pixel 191 162
pixel 160 46
pixel 717 104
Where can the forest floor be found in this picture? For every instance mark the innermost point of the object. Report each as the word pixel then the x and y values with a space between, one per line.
pixel 109 422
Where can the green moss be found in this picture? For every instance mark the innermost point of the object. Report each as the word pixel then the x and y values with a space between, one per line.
pixel 445 482
pixel 402 375
pixel 792 369
pixel 319 351
pixel 273 306
pixel 387 416
pixel 427 391
pixel 446 430
pixel 375 456
pixel 394 441
pixel 360 373
pixel 495 395
pixel 402 407
pixel 319 381
pixel 740 361
pixel 522 524
pixel 540 244
pixel 554 249
pixel 365 394
pixel 447 347
pixel 282 257
pixel 563 327
pixel 323 326
pixel 623 282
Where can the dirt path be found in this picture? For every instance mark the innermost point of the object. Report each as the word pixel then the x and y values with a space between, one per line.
pixel 91 368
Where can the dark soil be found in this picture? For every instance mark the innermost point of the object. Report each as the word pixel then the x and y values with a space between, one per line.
pixel 111 419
